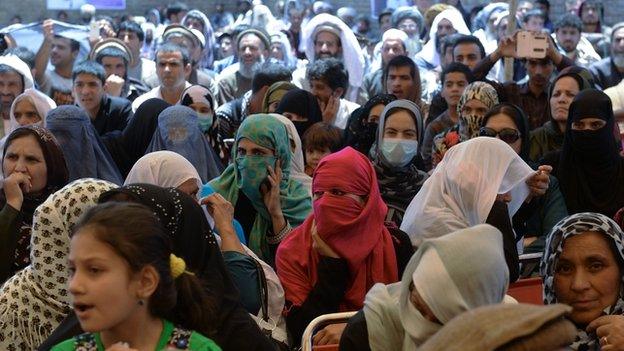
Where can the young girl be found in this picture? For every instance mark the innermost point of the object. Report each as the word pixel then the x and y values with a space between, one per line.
pixel 128 290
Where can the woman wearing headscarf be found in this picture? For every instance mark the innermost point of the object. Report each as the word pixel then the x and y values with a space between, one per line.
pixel 35 300
pixel 274 95
pixel 179 131
pixel 34 167
pixel 196 19
pixel 476 100
pixel 321 269
pixel 302 108
pixel 297 168
pixel 192 240
pixel 84 152
pixel 446 277
pixel 582 267
pixel 281 50
pixel 267 201
pixel 589 166
pixel 361 130
pixel 563 89
pixel 394 155
pixel 482 180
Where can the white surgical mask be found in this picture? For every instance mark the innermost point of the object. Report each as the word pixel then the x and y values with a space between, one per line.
pixel 399 152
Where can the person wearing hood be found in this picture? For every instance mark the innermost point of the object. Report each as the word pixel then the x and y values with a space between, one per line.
pixel 301 108
pixel 447 22
pixel 15 78
pixel 282 51
pixel 326 36
pixel 196 19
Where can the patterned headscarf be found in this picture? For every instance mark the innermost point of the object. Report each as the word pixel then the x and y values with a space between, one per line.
pixel 469 125
pixel 574 225
pixel 35 300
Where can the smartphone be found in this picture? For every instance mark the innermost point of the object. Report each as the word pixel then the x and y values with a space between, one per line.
pixel 531 44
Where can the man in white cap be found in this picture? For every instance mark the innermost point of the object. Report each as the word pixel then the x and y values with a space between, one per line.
pixel 327 36
pixel 15 77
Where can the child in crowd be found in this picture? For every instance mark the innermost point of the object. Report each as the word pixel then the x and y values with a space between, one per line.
pixel 119 252
pixel 320 140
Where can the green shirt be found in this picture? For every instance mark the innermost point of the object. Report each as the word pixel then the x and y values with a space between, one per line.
pixel 198 342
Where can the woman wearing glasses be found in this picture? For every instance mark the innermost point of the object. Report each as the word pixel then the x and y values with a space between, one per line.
pixel 535 218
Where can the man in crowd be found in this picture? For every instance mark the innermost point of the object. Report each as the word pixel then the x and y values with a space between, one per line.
pixel 107 113
pixel 402 79
pixel 15 77
pixel 62 53
pixel 610 70
pixel 173 65
pixel 569 41
pixel 140 68
pixel 253 48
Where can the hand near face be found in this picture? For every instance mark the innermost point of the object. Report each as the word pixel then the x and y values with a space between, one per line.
pixel 15 186
pixel 610 332
pixel 539 182
pixel 330 109
pixel 271 195
pixel 221 211
pixel 320 246
pixel 114 85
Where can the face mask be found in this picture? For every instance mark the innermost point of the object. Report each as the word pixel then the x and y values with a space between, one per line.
pixel 253 171
pixel 469 125
pixel 399 152
pixel 334 214
pixel 205 121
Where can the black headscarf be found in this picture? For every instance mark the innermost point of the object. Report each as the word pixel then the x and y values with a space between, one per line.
pixel 305 105
pixel 521 121
pixel 360 134
pixel 590 169
pixel 582 76
pixel 128 146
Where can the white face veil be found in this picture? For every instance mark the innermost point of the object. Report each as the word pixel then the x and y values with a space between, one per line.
pixel 462 189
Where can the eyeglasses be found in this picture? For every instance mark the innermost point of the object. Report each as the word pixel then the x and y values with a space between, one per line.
pixel 507 135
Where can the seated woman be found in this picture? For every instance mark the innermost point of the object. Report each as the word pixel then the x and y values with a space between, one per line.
pixel 321 269
pixel 302 108
pixel 582 266
pixel 274 95
pixel 34 168
pixel 361 131
pixel 589 165
pixel 476 100
pixel 536 218
pixel 126 245
pixel 446 277
pixel 267 201
pixel 35 300
pixel 395 154
pixel 563 89
pixel 479 181
pixel 200 99
pixel 82 147
pixel 178 131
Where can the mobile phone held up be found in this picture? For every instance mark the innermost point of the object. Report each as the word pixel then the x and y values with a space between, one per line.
pixel 531 44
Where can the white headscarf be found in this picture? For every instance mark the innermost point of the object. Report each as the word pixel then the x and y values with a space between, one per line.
pixel 42 103
pixel 352 55
pixel 21 67
pixel 289 58
pixel 297 165
pixel 462 189
pixel 35 300
pixel 429 52
pixel 207 52
pixel 453 274
pixel 163 168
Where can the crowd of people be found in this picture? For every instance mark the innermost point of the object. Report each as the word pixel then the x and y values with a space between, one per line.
pixel 194 179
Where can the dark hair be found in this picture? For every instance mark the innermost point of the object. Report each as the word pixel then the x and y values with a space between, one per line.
pixel 457 67
pixel 131 26
pixel 543 2
pixel 137 235
pixel 57 172
pixel 171 47
pixel 569 20
pixel 469 39
pixel 111 52
pixel 175 8
pixel 520 120
pixel 89 67
pixel 23 54
pixel 110 21
pixel 330 70
pixel 533 13
pixel 268 74
pixel 322 135
pixel 74 45
pixel 403 61
pixel 384 12
pixel 448 41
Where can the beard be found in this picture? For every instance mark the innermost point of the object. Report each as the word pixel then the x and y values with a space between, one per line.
pixel 248 71
pixel 618 59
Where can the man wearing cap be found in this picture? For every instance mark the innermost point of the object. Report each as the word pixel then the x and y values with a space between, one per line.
pixel 393 45
pixel 327 36
pixel 114 55
pixel 140 68
pixel 253 48
pixel 62 53
pixel 15 77
pixel 609 71
pixel 173 64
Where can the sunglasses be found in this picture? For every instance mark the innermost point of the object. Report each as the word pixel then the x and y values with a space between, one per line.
pixel 507 135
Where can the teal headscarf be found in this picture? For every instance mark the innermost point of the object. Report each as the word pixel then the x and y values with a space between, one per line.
pixel 244 173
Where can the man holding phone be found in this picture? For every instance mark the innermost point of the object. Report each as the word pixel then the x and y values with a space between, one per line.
pixel 531 96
